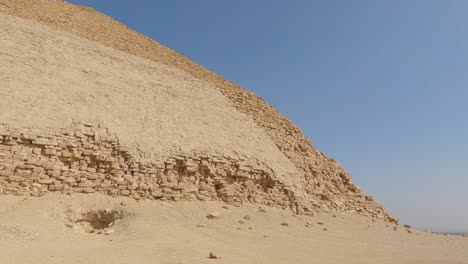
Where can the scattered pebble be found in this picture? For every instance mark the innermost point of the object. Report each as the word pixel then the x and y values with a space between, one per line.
pixel 247 217
pixel 325 229
pixel 225 207
pixel 284 224
pixel 109 231
pixel 241 222
pixel 320 223
pixel 213 256
pixel 213 215
pixel 261 210
pixel 123 204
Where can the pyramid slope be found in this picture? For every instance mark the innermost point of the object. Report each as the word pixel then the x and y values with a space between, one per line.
pixel 154 109
pixel 326 185
pixel 55 81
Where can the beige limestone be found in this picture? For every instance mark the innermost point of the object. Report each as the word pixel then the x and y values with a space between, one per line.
pixel 321 176
pixel 35 162
pixel 158 113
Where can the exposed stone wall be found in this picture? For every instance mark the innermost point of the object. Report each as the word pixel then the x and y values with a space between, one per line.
pixel 88 159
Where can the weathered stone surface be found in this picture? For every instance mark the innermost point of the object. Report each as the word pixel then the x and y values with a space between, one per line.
pixel 57 172
pixel 90 149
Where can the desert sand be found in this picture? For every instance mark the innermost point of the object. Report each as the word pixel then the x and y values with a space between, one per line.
pixel 116 149
pixel 34 230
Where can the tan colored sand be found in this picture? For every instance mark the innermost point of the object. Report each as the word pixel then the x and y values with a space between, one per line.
pixel 50 78
pixel 33 230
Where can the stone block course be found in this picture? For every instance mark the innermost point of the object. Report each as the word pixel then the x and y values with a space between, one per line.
pixel 55 161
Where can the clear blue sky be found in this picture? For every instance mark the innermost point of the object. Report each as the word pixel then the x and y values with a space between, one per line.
pixel 381 86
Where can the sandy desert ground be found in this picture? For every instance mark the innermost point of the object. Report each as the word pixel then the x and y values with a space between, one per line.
pixel 61 62
pixel 48 230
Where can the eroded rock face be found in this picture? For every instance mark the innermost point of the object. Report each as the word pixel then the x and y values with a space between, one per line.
pixel 88 159
pixel 240 150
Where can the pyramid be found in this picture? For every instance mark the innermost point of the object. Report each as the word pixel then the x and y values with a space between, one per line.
pixel 88 105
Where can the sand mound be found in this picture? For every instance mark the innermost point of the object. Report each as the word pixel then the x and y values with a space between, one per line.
pixel 171 117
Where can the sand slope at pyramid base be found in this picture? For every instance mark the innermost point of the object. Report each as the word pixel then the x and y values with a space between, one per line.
pixel 36 231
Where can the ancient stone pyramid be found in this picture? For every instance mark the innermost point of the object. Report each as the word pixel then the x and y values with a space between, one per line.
pixel 89 105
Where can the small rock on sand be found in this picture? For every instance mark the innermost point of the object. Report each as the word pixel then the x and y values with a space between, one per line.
pixel 109 231
pixel 213 215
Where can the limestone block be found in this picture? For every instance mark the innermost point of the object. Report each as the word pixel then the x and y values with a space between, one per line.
pixel 40 141
pixel 46 181
pixel 105 185
pixel 5 147
pixel 86 184
pixel 67 154
pixel 88 190
pixel 55 188
pixel 50 152
pixel 54 173
pixel 15 179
